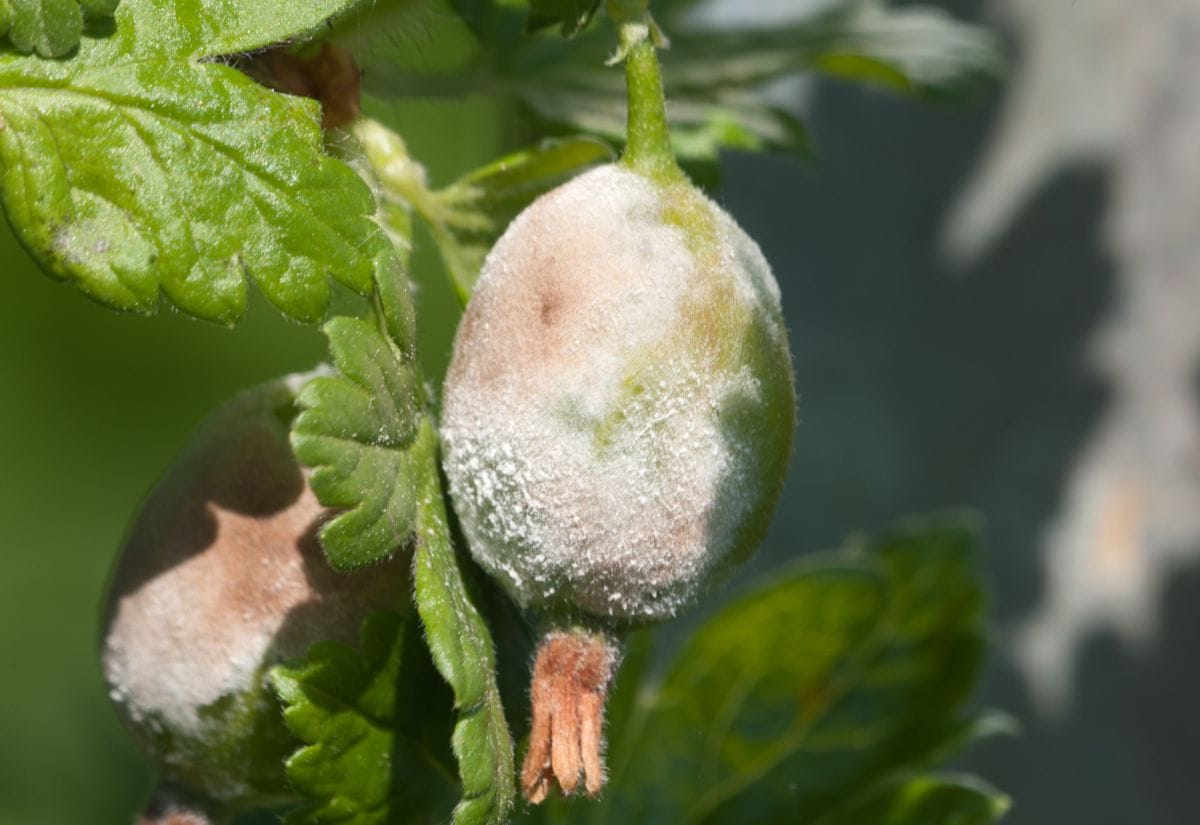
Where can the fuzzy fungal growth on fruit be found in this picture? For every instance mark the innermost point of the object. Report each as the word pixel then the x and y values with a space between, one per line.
pixel 220 578
pixel 617 417
pixel 618 411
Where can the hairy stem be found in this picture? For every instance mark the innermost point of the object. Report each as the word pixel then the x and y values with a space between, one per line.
pixel 648 139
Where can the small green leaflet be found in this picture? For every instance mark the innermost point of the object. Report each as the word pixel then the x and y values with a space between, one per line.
pixel 364 432
pixel 468 216
pixel 462 648
pixel 817 692
pixel 373 450
pixel 571 16
pixel 137 166
pixel 374 743
pixel 49 28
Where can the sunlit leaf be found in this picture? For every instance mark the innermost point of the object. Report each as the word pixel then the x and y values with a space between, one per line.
pixel 137 167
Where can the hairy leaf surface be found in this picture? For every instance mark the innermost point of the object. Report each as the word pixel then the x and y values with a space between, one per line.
pixel 463 651
pixel 139 167
pixel 50 28
pixel 364 432
pixel 371 733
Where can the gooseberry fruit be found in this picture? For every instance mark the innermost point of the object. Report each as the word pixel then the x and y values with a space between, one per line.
pixel 220 577
pixel 617 420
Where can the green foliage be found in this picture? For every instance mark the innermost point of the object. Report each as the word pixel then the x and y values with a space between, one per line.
pixel 913 50
pixel 49 28
pixel 809 699
pixel 925 800
pixel 713 77
pixel 462 648
pixel 135 167
pixel 364 433
pixel 142 163
pixel 373 751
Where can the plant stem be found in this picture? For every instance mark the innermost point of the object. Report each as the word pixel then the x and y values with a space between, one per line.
pixel 648 139
pixel 648 146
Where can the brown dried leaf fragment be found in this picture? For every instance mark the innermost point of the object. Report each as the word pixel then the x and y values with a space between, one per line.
pixel 571 676
pixel 330 76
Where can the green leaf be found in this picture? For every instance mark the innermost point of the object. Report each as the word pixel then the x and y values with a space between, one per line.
pixel 813 690
pixel 370 756
pixel 925 800
pixel 421 37
pixel 702 124
pixel 467 217
pixel 571 16
pixel 373 451
pixel 49 28
pixel 713 78
pixel 364 432
pixel 138 167
pixel 913 50
pixel 463 651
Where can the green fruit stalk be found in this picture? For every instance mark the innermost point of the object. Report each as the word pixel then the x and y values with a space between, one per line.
pixel 220 578
pixel 617 417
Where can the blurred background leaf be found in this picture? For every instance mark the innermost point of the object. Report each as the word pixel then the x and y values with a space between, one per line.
pixel 571 16
pixel 924 800
pixel 713 76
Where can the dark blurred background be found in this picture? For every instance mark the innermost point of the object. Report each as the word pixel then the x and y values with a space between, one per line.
pixel 990 307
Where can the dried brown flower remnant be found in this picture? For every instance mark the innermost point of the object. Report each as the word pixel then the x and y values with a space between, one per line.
pixel 570 683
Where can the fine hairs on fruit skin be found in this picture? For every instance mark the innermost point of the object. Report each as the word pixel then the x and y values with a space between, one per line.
pixel 220 577
pixel 618 411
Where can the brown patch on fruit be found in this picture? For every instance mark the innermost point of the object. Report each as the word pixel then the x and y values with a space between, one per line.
pixel 566 743
pixel 550 304
pixel 222 573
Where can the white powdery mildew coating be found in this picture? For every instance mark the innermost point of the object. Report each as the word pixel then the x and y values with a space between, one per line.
pixel 582 420
pixel 222 576
pixel 189 636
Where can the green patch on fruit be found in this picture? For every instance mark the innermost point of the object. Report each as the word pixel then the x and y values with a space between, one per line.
pixel 235 755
